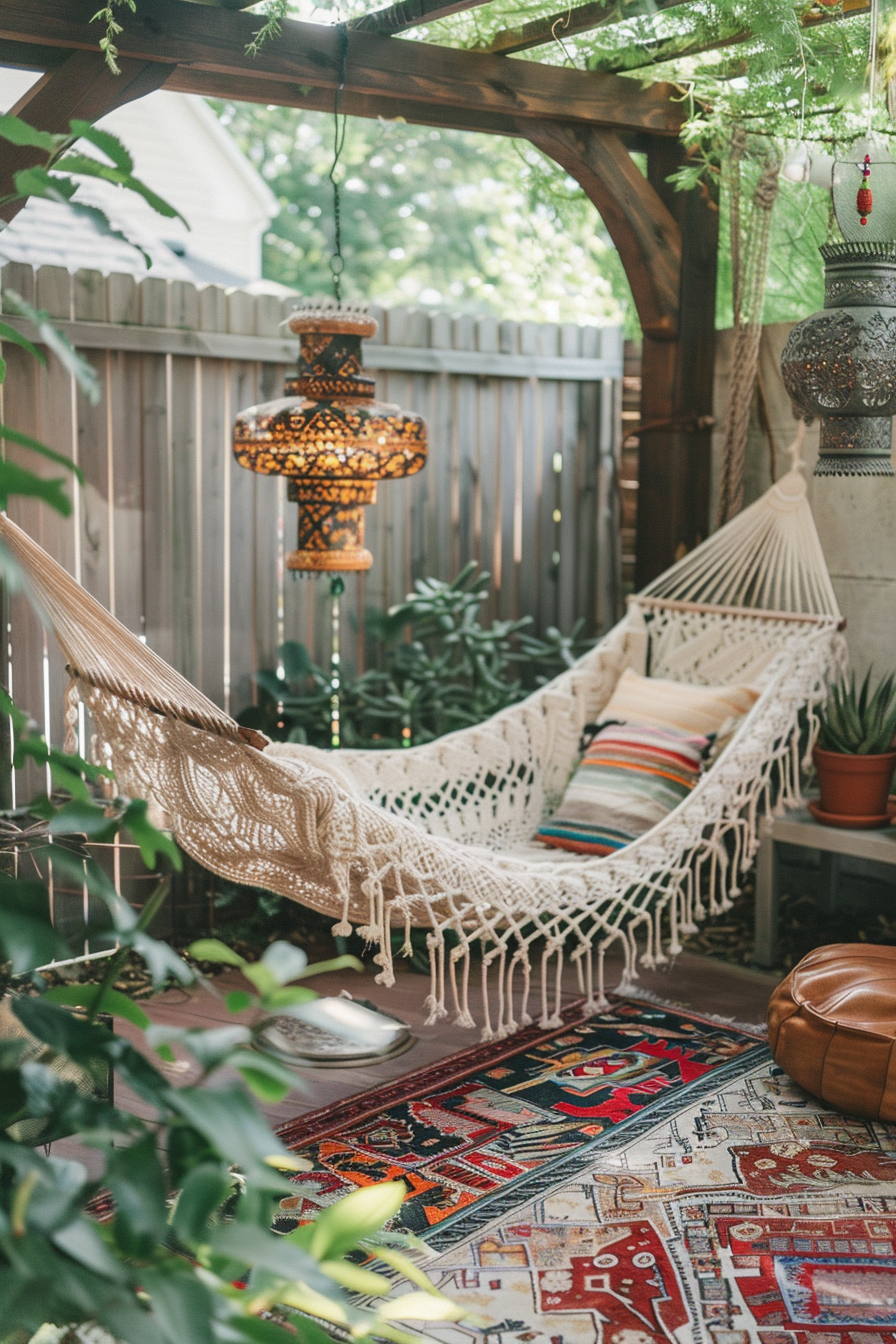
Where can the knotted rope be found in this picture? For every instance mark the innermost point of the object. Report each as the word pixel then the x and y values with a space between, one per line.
pixel 749 271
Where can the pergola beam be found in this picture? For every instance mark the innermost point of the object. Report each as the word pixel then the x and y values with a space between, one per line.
pixel 270 91
pixel 406 14
pixel 174 33
pixel 569 22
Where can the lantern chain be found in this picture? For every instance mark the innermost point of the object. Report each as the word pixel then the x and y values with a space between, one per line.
pixel 337 261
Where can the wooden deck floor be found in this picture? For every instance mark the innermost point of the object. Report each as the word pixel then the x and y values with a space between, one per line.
pixel 696 982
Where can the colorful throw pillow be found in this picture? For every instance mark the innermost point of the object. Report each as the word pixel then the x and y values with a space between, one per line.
pixel 675 704
pixel 629 778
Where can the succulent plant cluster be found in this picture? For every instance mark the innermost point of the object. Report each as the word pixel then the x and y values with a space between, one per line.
pixel 860 723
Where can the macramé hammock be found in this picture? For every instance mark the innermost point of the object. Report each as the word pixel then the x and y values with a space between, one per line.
pixel 439 836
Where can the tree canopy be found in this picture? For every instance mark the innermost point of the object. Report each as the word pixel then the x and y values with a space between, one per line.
pixel 433 217
pixel 481 224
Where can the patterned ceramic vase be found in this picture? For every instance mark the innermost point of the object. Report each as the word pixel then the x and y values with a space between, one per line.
pixel 840 364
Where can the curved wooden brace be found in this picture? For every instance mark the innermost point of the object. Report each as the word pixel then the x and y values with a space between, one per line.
pixel 647 237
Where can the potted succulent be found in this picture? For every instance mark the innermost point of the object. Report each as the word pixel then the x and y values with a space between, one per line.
pixel 854 755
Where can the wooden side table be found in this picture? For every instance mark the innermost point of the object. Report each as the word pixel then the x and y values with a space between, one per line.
pixel 831 843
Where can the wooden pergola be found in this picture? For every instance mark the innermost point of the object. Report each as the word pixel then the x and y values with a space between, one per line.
pixel 589 122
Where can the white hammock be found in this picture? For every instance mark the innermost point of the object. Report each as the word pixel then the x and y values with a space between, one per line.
pixel 439 836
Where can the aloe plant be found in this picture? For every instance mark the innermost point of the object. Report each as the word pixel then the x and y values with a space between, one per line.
pixel 863 723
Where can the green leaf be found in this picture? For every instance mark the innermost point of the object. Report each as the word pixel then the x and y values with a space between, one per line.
pixel 258 975
pixel 183 1306
pixel 83 372
pixel 269 1080
pixel 27 936
pixel 84 165
pixel 136 1180
pixel 341 1226
pixel 18 132
pixel 66 780
pixel 112 1001
pixel 25 440
pixel 201 1195
pixel 8 333
pixel 105 141
pixel 405 1266
pixel 83 1243
pixel 83 818
pixel 281 999
pixel 16 480
pixel 227 1120
pixel 356 1279
pixel 211 1047
pixel 421 1307
pixel 296 660
pixel 285 961
pixel 83 1042
pixel 161 960
pixel 238 1000
pixel 252 1245
pixel 150 841
pixel 39 181
pixel 345 963
pixel 212 949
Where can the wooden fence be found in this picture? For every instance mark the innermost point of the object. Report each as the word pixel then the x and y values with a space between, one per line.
pixel 186 548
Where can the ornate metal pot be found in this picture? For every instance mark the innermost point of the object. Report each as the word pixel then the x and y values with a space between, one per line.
pixel 840 364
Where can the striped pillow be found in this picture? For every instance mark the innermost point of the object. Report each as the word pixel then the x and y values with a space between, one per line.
pixel 629 778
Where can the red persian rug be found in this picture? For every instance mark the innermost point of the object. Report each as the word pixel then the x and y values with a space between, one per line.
pixel 646 1176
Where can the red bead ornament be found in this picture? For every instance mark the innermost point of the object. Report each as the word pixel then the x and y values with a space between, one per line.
pixel 864 199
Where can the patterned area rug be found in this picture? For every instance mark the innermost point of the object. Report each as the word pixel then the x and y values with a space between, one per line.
pixel 642 1176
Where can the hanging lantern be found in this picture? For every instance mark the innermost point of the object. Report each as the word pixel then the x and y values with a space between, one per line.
pixel 330 439
pixel 840 364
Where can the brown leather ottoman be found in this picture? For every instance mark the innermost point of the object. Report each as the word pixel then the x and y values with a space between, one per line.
pixel 832 1027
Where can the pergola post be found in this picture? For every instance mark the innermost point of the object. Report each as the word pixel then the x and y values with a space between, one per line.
pixel 677 385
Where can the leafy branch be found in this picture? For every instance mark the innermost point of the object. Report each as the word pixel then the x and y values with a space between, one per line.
pixel 273 13
pixel 113 28
pixel 438 669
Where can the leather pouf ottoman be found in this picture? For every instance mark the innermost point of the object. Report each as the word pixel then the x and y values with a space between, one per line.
pixel 832 1027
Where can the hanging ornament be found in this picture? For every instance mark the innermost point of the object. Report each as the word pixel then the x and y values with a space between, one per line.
pixel 864 199
pixel 330 439
pixel 328 436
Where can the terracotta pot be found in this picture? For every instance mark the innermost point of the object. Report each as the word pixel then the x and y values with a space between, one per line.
pixel 854 786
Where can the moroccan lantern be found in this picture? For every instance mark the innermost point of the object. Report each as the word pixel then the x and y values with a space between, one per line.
pixel 840 363
pixel 330 439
